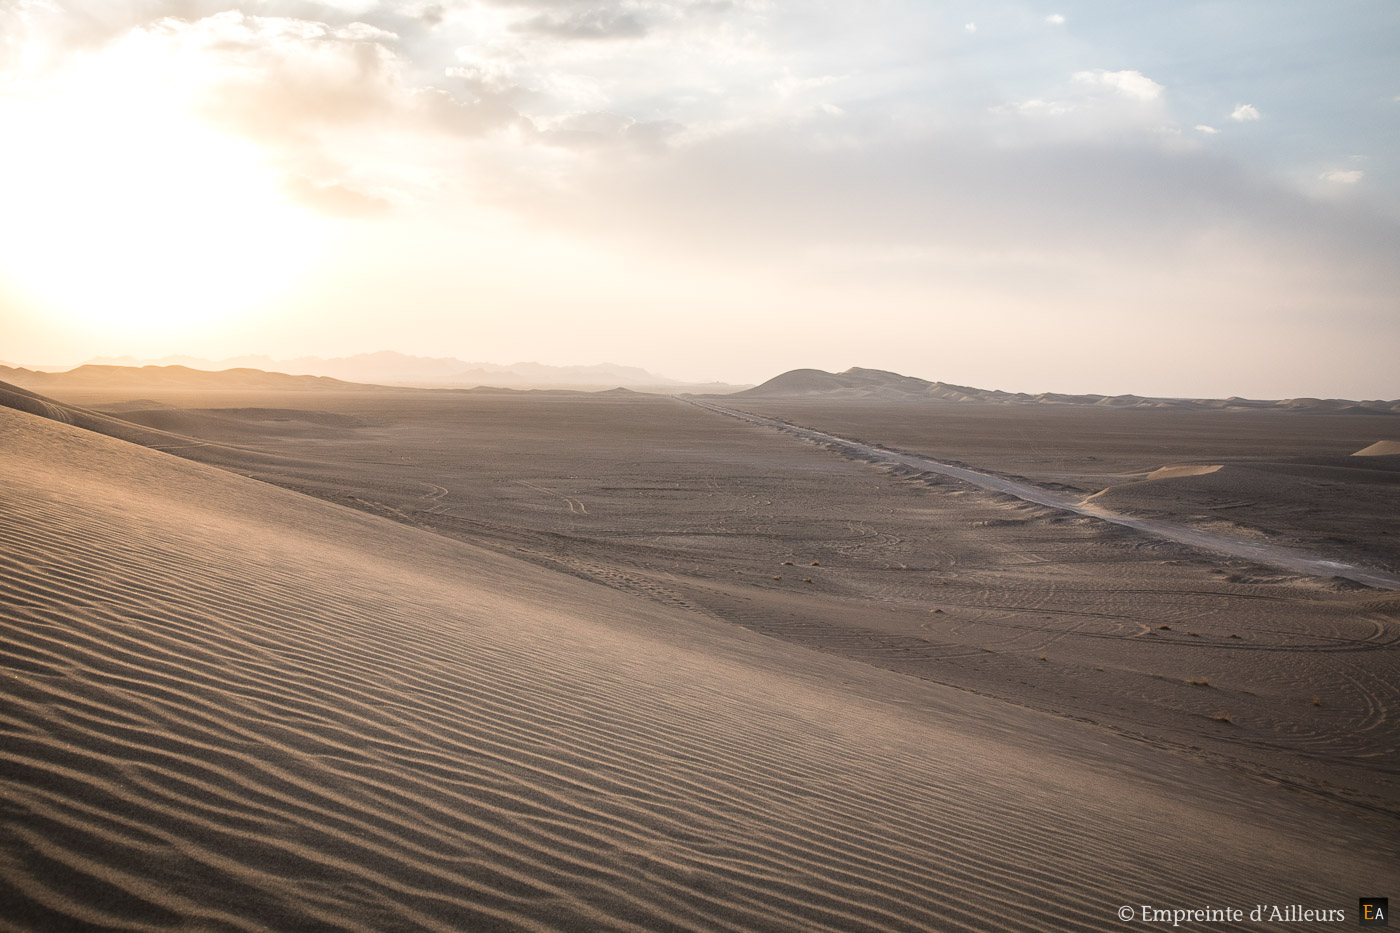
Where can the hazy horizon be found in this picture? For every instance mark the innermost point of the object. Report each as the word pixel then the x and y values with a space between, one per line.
pixel 1191 199
pixel 366 368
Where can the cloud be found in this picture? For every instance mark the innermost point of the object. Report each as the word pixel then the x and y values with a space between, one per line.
pixel 970 27
pixel 1071 219
pixel 1057 19
pixel 1343 177
pixel 335 111
pixel 1245 113
pixel 1036 107
pixel 364 32
pixel 432 108
pixel 351 7
pixel 702 63
pixel 1204 128
pixel 1131 84
pixel 584 24
pixel 1091 105
pixel 598 129
pixel 274 77
pixel 789 85
pixel 427 13
pixel 284 81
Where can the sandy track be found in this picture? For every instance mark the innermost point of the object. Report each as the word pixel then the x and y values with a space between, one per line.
pixel 1267 554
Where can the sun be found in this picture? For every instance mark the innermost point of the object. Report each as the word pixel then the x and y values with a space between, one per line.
pixel 125 214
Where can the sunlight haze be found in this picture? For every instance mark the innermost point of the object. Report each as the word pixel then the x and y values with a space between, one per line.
pixel 1166 198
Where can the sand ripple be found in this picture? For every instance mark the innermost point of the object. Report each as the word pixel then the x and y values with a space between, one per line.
pixel 229 707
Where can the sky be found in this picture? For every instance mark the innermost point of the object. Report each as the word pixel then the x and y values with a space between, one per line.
pixel 1166 198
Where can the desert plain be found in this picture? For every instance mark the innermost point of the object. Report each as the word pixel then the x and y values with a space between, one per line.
pixel 382 659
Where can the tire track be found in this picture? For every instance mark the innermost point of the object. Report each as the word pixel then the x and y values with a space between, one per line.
pixel 1268 554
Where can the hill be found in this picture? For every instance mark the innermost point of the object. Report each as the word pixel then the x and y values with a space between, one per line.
pixel 858 383
pixel 388 367
pixel 136 378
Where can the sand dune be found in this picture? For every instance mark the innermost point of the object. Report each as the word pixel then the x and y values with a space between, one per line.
pixel 228 706
pixel 1380 449
pixel 212 435
pixel 20 399
pixel 1172 472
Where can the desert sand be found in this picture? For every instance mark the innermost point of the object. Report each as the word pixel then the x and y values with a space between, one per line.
pixel 572 662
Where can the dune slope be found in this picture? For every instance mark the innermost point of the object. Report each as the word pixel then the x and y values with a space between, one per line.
pixel 228 706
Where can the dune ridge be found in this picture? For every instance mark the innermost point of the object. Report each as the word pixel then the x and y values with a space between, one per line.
pixel 229 706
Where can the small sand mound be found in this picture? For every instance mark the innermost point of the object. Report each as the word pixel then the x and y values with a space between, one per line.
pixel 1380 449
pixel 139 404
pixel 1173 472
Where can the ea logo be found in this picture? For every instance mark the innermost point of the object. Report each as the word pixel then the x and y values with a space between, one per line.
pixel 1375 911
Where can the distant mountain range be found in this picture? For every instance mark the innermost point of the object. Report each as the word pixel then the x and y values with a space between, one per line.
pixel 857 383
pixel 388 367
pixel 854 383
pixel 168 377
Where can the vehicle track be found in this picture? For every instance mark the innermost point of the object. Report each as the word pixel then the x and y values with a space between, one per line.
pixel 576 506
pixel 1269 554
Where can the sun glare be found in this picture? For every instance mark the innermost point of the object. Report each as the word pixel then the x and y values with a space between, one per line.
pixel 126 215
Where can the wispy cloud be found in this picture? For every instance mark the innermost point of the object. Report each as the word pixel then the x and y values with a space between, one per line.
pixel 585 24
pixel 1057 19
pixel 1035 106
pixel 970 27
pixel 364 32
pixel 1204 128
pixel 1245 113
pixel 1343 176
pixel 1131 84
pixel 1095 104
